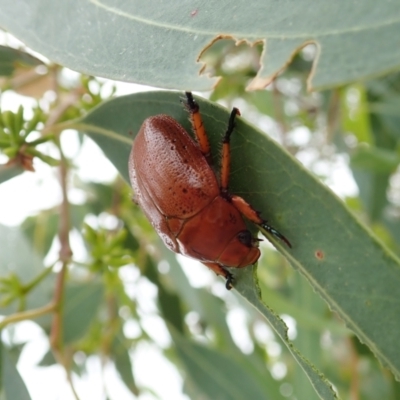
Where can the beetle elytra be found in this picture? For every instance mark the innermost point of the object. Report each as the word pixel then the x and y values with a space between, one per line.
pixel 189 207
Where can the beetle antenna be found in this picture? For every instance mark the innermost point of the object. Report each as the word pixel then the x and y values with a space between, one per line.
pixel 276 233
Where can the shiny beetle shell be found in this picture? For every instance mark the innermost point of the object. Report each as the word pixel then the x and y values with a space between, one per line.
pixel 179 193
pixel 177 189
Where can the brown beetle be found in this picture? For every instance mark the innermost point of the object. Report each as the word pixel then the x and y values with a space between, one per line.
pixel 177 189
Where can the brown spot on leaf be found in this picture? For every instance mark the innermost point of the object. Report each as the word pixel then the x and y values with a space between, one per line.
pixel 319 254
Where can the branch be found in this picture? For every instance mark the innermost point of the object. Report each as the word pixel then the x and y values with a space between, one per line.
pixel 30 314
pixel 65 257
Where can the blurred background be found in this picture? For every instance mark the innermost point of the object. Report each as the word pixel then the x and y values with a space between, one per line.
pixel 125 291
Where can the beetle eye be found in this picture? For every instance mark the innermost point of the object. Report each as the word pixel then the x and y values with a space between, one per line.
pixel 246 238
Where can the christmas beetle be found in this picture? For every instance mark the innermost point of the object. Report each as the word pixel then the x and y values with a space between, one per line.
pixel 189 207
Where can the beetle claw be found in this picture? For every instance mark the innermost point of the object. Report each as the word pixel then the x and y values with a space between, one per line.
pixel 276 233
pixel 229 280
pixel 190 103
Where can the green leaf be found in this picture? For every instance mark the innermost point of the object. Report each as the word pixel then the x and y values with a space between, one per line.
pixel 248 288
pixel 375 159
pixel 208 307
pixel 343 261
pixel 41 230
pixel 262 100
pixel 373 185
pixel 12 58
pixel 123 364
pixel 306 338
pixel 373 188
pixel 169 303
pixel 159 43
pixel 11 381
pixel 355 116
pixel 214 374
pixel 304 318
pixel 47 360
pixel 81 304
pixel 17 256
pixel 53 162
pixel 211 311
pixel 9 172
pixel 101 196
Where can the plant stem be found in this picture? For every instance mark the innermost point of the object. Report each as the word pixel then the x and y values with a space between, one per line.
pixel 36 280
pixel 30 314
pixel 64 256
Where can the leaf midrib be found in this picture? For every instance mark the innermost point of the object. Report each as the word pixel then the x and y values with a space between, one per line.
pixel 305 36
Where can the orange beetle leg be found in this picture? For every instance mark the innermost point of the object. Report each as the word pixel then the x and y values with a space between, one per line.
pixel 226 157
pixel 221 271
pixel 198 126
pixel 248 211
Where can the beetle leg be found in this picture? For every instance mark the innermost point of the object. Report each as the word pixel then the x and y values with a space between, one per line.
pixel 248 211
pixel 221 271
pixel 241 205
pixel 198 127
pixel 226 157
pixel 229 281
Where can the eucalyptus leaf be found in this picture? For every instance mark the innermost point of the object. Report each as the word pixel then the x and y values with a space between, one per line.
pixel 215 375
pixel 375 159
pixel 123 364
pixel 355 274
pixel 11 58
pixel 247 286
pixel 11 383
pixel 18 257
pixel 159 43
pixel 81 304
pixel 306 336
pixel 41 230
pixel 373 188
pixel 9 172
